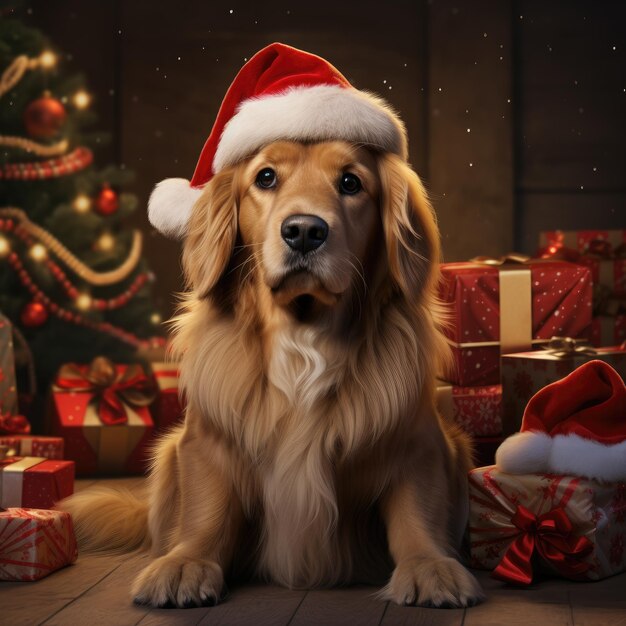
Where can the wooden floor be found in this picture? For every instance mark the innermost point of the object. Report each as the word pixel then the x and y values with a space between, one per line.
pixel 96 591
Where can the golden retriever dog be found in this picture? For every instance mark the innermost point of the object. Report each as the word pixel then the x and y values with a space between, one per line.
pixel 311 453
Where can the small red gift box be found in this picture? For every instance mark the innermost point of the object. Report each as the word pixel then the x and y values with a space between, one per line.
pixel 499 309
pixel 568 526
pixel 477 410
pixel 33 445
pixel 34 481
pixel 34 543
pixel 603 251
pixel 101 411
pixel 168 405
pixel 525 373
pixel 608 330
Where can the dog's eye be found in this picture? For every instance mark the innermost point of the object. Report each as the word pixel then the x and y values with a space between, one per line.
pixel 349 184
pixel 266 178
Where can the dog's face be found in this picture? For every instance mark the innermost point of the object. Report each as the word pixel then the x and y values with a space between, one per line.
pixel 311 225
pixel 308 214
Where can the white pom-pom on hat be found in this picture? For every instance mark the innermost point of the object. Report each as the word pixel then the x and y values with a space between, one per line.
pixel 170 206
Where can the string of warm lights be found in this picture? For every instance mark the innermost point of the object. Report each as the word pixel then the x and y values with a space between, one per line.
pixel 51 243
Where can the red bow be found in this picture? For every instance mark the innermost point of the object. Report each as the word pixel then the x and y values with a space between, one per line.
pixel 551 537
pixel 109 387
pixel 13 424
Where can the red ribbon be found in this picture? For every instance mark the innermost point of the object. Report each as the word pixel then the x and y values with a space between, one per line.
pixel 109 387
pixel 13 424
pixel 549 536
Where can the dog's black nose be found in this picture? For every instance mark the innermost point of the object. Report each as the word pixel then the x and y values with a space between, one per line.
pixel 304 232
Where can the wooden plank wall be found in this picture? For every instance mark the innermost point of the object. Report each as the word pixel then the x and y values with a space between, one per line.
pixel 570 90
pixel 537 84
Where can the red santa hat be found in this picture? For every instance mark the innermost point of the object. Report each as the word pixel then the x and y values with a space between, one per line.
pixel 280 93
pixel 574 426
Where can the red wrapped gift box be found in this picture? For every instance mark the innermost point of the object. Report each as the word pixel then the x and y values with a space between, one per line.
pixel 603 251
pixel 35 543
pixel 168 405
pixel 585 522
pixel 608 330
pixel 477 410
pixel 34 481
pixel 33 445
pixel 508 308
pixel 103 432
pixel 525 373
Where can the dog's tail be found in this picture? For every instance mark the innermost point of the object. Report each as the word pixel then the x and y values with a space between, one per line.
pixel 108 519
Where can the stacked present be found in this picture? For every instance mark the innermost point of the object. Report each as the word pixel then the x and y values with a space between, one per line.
pixel 33 474
pixel 555 502
pixel 102 413
pixel 499 306
pixel 604 252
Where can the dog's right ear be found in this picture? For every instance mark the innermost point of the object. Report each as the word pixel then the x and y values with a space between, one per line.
pixel 212 233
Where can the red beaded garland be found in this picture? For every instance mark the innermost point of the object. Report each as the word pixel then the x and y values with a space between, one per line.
pixel 76 160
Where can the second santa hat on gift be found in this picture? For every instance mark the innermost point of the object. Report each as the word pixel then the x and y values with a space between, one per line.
pixel 575 426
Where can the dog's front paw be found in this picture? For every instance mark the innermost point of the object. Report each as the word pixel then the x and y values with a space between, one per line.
pixel 179 582
pixel 435 582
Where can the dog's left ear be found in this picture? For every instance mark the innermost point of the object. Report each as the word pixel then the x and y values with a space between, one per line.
pixel 212 234
pixel 410 227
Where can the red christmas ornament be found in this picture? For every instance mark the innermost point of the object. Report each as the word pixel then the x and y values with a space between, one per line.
pixel 44 117
pixel 108 201
pixel 34 314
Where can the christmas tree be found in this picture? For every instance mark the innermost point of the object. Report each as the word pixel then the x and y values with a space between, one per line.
pixel 72 277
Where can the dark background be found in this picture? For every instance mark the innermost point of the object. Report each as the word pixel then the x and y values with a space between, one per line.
pixel 516 110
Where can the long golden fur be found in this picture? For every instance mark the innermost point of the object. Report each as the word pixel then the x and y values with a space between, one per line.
pixel 311 452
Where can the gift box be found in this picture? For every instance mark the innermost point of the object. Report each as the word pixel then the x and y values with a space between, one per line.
pixel 608 330
pixel 525 373
pixel 603 251
pixel 33 445
pixel 563 525
pixel 34 543
pixel 34 481
pixel 477 410
pixel 508 307
pixel 101 411
pixel 168 406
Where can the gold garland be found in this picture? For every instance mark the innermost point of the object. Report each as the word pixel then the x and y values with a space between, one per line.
pixel 13 74
pixel 32 146
pixel 96 279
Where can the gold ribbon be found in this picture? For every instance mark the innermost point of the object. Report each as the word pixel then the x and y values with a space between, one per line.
pixel 516 315
pixel 563 347
pixel 12 480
